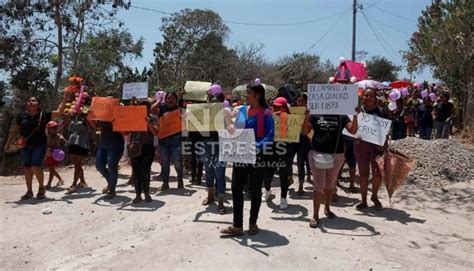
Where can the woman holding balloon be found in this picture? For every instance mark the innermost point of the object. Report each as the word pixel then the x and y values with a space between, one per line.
pixel 54 152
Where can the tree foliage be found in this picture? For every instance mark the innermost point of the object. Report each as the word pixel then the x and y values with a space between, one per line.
pixel 381 69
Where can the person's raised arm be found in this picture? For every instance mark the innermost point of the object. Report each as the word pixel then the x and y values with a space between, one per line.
pixel 60 111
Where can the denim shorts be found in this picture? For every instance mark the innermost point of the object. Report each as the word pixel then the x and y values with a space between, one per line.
pixel 33 155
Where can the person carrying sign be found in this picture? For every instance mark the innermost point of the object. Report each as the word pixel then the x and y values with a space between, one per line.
pixel 257 116
pixel 366 153
pixel 326 156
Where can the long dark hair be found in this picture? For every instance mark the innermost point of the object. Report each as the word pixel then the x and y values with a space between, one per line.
pixel 260 90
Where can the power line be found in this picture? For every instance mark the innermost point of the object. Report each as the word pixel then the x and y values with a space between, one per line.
pixel 379 39
pixel 389 26
pixel 325 34
pixel 396 15
pixel 371 5
pixel 253 23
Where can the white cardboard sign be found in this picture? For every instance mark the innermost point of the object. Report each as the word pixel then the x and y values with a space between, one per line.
pixel 371 129
pixel 332 99
pixel 137 90
pixel 238 147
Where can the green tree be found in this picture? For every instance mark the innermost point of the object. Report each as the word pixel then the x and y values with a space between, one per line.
pixel 182 33
pixel 105 67
pixel 35 31
pixel 381 69
pixel 444 43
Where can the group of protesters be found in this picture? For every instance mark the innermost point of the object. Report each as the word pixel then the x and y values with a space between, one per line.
pixel 321 151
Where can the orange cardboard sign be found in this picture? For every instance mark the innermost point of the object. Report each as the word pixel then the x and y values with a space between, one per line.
pixel 130 119
pixel 102 108
pixel 170 124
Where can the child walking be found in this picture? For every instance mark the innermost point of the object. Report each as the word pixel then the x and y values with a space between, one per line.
pixel 55 141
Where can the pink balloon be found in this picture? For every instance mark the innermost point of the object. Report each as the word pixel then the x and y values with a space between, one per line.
pixel 58 155
pixel 215 89
pixel 257 81
pixel 424 94
pixel 405 91
pixel 393 96
pixel 433 96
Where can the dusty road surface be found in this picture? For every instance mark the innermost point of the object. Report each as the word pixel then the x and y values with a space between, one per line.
pixel 421 229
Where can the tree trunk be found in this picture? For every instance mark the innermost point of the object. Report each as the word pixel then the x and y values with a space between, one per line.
pixel 468 107
pixel 59 71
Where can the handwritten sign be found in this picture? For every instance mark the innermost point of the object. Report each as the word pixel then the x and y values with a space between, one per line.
pixel 300 110
pixel 371 129
pixel 130 119
pixel 205 117
pixel 238 147
pixel 332 99
pixel 196 90
pixel 293 128
pixel 137 90
pixel 170 124
pixel 102 108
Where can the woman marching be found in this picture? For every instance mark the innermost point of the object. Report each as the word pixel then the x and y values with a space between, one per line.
pixel 31 126
pixel 141 151
pixel 366 153
pixel 326 157
pixel 257 116
pixel 215 169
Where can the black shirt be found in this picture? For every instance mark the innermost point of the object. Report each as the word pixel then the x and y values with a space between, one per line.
pixel 28 124
pixel 444 111
pixel 109 139
pixel 425 119
pixel 328 133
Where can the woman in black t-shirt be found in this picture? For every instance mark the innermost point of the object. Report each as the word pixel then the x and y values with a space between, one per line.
pixel 326 157
pixel 31 126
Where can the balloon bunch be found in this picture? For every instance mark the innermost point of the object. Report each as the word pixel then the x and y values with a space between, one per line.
pixel 394 95
pixel 76 88
pixel 433 97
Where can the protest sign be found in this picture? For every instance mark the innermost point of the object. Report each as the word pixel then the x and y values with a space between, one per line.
pixel 371 129
pixel 238 147
pixel 292 127
pixel 300 110
pixel 170 124
pixel 137 90
pixel 102 108
pixel 332 99
pixel 196 90
pixel 205 117
pixel 130 119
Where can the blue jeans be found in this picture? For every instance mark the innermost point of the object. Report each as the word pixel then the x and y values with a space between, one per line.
pixel 214 169
pixel 33 155
pixel 442 129
pixel 425 133
pixel 106 162
pixel 170 150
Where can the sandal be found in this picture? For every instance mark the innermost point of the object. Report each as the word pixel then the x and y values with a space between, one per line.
pixel 105 190
pixel 253 229
pixel 60 183
pixel 71 189
pixel 82 185
pixel 232 231
pixel 180 184
pixel 148 198
pixel 377 203
pixel 137 199
pixel 28 195
pixel 329 214
pixel 110 195
pixel 221 210
pixel 164 187
pixel 207 201
pixel 361 206
pixel 48 186
pixel 41 193
pixel 314 223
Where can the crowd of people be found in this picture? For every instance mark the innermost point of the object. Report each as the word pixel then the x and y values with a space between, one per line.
pixel 320 154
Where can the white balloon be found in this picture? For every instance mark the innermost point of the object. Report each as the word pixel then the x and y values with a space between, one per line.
pixel 392 106
pixel 342 59
pixel 331 79
pixel 353 79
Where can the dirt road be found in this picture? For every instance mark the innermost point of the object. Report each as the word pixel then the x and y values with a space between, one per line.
pixel 421 229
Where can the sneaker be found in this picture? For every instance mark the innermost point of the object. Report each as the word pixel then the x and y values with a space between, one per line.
pixel 266 195
pixel 283 204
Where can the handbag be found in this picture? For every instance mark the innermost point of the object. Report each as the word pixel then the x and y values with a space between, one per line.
pixel 21 141
pixel 326 160
pixel 134 149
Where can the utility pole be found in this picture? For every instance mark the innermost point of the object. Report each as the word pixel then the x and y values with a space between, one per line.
pixel 354 13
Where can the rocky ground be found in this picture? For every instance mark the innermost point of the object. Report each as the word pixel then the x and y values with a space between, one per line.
pixel 422 228
pixel 438 162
